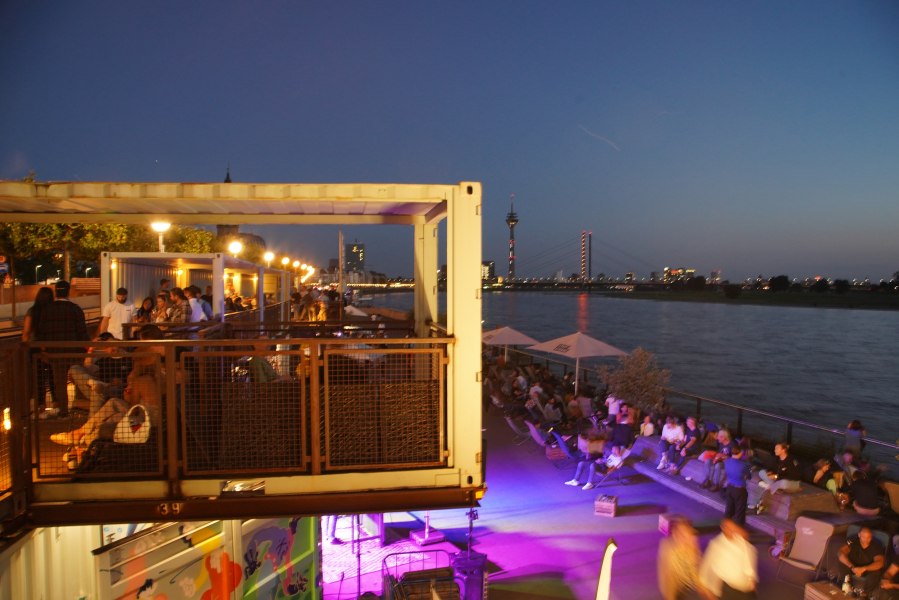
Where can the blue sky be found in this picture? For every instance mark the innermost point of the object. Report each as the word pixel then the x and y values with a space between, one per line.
pixel 753 137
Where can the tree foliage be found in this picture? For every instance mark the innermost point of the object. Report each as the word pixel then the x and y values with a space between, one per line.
pixel 781 283
pixel 190 240
pixel 637 379
pixel 821 286
pixel 85 241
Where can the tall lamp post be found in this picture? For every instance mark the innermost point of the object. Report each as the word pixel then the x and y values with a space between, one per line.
pixel 268 257
pixel 36 269
pixel 235 248
pixel 160 227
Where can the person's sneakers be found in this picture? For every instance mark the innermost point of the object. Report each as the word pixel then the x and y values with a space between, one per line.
pixel 588 486
pixel 573 482
pixel 64 438
pixel 706 484
pixel 336 541
pixel 715 488
pixel 72 457
pixel 760 509
pixel 663 464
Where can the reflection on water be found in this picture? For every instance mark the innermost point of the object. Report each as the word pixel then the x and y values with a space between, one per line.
pixel 583 312
pixel 816 364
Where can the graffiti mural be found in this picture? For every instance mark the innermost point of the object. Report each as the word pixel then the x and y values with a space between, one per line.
pixel 258 559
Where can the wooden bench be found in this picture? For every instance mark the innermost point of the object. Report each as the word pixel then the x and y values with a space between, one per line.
pixel 777 522
pixel 789 505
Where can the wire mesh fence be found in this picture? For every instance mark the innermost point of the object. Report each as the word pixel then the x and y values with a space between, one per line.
pixel 98 412
pixel 383 408
pixel 236 407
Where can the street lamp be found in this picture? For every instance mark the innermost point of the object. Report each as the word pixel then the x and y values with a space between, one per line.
pixel 235 248
pixel 87 271
pixel 268 257
pixel 285 261
pixel 309 271
pixel 160 227
pixel 36 269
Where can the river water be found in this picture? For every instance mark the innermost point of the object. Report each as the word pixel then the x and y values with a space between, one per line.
pixel 825 366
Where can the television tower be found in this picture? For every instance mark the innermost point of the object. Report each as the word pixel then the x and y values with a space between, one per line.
pixel 511 221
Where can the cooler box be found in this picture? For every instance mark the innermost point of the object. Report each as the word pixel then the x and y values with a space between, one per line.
pixel 605 506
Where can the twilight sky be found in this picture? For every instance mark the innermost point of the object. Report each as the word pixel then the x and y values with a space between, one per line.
pixel 751 137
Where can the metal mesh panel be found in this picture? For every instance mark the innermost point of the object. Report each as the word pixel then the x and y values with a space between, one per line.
pixel 383 408
pixel 87 438
pixel 243 410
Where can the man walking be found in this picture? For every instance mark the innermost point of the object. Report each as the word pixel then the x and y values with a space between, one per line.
pixel 729 568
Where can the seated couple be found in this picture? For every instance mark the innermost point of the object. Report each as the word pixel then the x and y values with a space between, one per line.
pixel 111 400
pixel 142 389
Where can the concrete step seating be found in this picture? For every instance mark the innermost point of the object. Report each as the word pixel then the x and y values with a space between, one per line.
pixel 778 521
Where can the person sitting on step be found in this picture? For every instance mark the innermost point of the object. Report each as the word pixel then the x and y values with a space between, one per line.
pixel 786 476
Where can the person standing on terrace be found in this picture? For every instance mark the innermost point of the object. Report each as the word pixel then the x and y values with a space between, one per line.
pixel 180 312
pixel 42 298
pixel 737 472
pixel 115 313
pixel 853 438
pixel 678 562
pixel 729 568
pixel 61 320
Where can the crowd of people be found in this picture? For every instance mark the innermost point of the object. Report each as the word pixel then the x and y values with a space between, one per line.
pixel 604 427
pixel 111 378
pixel 313 303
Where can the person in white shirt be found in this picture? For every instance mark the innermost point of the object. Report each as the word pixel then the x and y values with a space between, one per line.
pixel 197 313
pixel 115 313
pixel 729 568
pixel 672 436
pixel 614 405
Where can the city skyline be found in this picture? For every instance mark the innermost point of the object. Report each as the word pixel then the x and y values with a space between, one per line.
pixel 744 138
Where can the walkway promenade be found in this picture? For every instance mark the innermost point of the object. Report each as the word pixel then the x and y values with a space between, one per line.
pixel 543 541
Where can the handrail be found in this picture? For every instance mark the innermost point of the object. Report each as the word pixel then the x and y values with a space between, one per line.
pixel 741 409
pixel 776 417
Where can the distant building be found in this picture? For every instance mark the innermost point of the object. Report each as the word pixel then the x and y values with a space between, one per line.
pixel 629 277
pixel 354 255
pixel 488 270
pixel 654 276
pixel 672 275
pixel 715 276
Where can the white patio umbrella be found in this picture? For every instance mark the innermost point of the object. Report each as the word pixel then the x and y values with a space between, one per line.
pixel 577 346
pixel 356 312
pixel 506 336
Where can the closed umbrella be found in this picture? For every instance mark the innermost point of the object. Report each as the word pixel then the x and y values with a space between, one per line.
pixel 577 346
